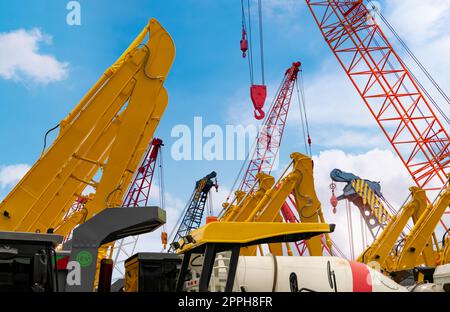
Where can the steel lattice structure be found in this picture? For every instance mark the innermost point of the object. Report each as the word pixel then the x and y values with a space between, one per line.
pixel 388 88
pixel 268 144
pixel 269 138
pixel 138 195
pixel 192 219
pixel 139 191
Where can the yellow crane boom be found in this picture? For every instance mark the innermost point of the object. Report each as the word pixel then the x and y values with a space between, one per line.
pixel 105 135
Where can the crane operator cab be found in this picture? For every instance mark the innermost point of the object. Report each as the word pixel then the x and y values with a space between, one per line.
pixel 27 262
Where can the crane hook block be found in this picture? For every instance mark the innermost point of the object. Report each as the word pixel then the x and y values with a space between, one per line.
pixel 258 94
pixel 244 44
pixel 334 203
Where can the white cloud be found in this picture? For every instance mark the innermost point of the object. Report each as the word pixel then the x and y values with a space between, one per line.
pixel 350 138
pixel 331 100
pixel 10 175
pixel 423 25
pixel 282 9
pixel 337 113
pixel 21 60
pixel 419 20
pixel 240 108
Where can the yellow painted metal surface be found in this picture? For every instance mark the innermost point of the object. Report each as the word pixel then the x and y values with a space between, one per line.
pixel 371 199
pixel 382 248
pixel 131 283
pixel 266 183
pixel 308 205
pixel 264 204
pixel 445 255
pixel 421 234
pixel 248 232
pixel 107 132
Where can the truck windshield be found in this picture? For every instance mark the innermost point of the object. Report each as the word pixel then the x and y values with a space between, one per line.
pixel 16 274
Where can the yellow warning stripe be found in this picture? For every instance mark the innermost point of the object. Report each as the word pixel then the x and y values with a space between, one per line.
pixel 370 198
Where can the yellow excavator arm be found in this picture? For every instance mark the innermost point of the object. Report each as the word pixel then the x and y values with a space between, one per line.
pixel 264 205
pixel 419 237
pixel 445 256
pixel 104 137
pixel 381 249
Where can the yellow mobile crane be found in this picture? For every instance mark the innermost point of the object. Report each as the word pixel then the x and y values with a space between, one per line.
pixel 105 135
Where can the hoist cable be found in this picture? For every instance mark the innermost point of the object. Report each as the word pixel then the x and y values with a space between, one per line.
pixel 244 28
pixel 303 93
pixel 416 80
pixel 181 217
pixel 253 147
pixel 162 190
pixel 413 56
pixel 261 40
pixel 389 63
pixel 250 39
pixel 350 229
pixel 301 117
pixel 240 171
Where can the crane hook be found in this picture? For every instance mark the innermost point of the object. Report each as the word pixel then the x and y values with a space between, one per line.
pixel 259 114
pixel 258 94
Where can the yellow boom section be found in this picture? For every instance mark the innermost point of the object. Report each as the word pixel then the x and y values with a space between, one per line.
pixel 419 237
pixel 104 137
pixel 381 249
pixel 264 204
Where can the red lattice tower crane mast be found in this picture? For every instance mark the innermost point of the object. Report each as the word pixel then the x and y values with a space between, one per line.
pixel 139 192
pixel 390 91
pixel 268 144
pixel 269 138
pixel 138 195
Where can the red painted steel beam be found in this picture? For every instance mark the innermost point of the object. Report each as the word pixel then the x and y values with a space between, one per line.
pixel 387 88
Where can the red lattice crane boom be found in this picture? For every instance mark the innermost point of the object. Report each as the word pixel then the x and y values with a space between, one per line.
pixel 269 138
pixel 139 191
pixel 138 195
pixel 387 87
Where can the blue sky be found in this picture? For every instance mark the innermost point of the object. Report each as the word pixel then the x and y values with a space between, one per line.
pixel 208 79
pixel 208 68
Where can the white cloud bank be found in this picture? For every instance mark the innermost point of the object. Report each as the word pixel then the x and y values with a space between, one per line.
pixel 10 175
pixel 21 59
